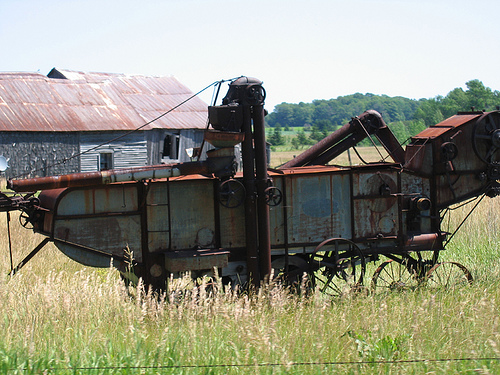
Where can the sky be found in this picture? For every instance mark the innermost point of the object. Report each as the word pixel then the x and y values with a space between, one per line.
pixel 301 50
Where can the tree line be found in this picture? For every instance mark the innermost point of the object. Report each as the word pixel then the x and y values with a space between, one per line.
pixel 405 117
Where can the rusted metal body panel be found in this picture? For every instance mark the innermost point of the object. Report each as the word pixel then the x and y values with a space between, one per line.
pixel 318 207
pixel 196 260
pixel 375 204
pixel 445 153
pixel 104 219
pixel 193 219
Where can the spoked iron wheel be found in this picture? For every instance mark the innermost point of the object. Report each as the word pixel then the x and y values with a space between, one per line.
pixel 292 274
pixel 395 276
pixel 486 138
pixel 231 193
pixel 338 267
pixel 448 275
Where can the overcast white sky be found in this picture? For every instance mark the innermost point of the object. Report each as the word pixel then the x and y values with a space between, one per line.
pixel 302 50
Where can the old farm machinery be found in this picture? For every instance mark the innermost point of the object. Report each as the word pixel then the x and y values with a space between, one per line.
pixel 305 218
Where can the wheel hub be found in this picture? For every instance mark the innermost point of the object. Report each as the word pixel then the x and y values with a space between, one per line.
pixel 495 138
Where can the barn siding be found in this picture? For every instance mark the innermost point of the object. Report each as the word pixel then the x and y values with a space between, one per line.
pixel 37 154
pixel 129 151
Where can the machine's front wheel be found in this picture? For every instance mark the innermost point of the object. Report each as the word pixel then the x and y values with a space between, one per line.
pixel 395 276
pixel 291 272
pixel 337 267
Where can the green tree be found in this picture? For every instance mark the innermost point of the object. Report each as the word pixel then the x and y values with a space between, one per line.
pixel 430 112
pixel 315 134
pixel 323 125
pixel 480 97
pixel 337 112
pixel 276 138
pixel 300 140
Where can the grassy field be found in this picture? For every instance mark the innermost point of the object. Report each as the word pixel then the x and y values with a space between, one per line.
pixel 59 317
pixel 369 154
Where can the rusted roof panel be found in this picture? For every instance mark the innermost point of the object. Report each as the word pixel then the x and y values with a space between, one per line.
pixel 446 125
pixel 77 101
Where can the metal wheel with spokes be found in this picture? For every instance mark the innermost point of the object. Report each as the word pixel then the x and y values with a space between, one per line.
pixel 486 138
pixel 231 193
pixel 337 267
pixel 291 273
pixel 448 275
pixel 395 276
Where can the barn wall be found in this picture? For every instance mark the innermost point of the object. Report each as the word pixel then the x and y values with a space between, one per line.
pixel 129 151
pixel 189 138
pixel 36 154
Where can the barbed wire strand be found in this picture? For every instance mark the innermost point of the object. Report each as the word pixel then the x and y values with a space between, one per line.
pixel 290 364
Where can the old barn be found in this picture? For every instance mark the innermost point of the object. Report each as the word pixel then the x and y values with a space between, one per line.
pixel 71 121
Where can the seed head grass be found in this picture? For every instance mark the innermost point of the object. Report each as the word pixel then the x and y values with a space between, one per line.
pixel 61 317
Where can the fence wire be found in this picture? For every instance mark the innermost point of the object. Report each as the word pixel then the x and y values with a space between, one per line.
pixel 257 365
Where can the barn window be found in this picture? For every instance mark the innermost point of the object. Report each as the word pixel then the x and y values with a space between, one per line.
pixel 171 145
pixel 105 161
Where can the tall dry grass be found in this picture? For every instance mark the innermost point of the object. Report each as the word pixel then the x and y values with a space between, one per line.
pixel 60 317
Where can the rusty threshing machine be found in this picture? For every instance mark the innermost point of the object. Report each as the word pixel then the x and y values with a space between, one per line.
pixel 306 218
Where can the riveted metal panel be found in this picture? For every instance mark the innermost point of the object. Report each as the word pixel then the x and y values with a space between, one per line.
pixel 106 199
pixel 192 208
pixel 104 219
pixel 319 207
pixel 277 216
pixel 107 234
pixel 232 227
pixel 375 204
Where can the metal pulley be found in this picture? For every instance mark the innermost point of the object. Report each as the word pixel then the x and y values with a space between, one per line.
pixel 273 196
pixel 29 213
pixel 486 138
pixel 449 151
pixel 231 193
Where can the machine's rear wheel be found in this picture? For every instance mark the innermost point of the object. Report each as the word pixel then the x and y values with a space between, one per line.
pixel 338 267
pixel 448 275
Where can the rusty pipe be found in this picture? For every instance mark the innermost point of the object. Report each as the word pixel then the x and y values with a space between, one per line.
pixel 251 231
pixel 261 181
pixel 117 175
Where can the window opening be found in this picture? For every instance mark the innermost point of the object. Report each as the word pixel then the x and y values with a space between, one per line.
pixel 105 161
pixel 171 145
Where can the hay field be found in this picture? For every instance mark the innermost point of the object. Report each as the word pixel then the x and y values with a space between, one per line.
pixel 369 154
pixel 59 317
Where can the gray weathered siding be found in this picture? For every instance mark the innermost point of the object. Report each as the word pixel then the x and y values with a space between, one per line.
pixel 36 154
pixel 129 151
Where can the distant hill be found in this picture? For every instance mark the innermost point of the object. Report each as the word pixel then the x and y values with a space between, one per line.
pixel 405 116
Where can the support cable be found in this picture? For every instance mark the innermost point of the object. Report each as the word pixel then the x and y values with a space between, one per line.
pixel 370 137
pixel 465 218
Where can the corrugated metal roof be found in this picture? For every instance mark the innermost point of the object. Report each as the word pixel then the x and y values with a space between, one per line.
pixel 77 101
